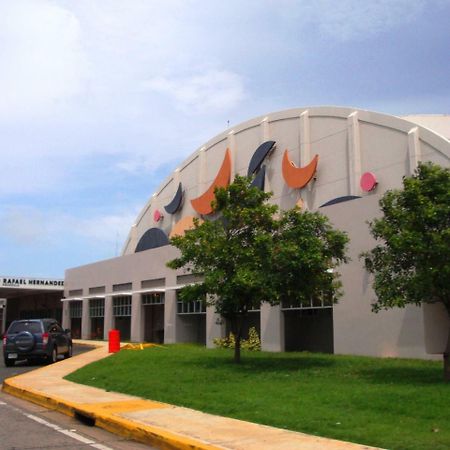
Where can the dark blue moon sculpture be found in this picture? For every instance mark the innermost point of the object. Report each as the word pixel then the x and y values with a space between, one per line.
pixel 175 203
pixel 260 178
pixel 345 198
pixel 258 157
pixel 152 238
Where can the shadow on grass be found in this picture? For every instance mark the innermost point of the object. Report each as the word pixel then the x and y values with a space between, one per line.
pixel 372 370
pixel 261 363
pixel 404 376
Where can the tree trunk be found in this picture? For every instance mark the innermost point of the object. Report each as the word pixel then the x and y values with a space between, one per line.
pixel 237 336
pixel 447 361
pixel 237 348
pixel 446 367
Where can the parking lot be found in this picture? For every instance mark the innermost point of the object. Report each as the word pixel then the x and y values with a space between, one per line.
pixel 24 366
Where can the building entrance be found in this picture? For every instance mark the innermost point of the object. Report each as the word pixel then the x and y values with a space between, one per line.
pixel 122 316
pixel 191 322
pixel 153 309
pixel 309 330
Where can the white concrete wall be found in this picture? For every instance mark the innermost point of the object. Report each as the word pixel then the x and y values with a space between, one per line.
pixel 349 142
pixel 358 330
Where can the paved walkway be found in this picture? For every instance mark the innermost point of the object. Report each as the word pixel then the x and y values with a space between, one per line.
pixel 158 424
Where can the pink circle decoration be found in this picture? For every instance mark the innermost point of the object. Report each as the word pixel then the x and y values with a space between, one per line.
pixel 157 216
pixel 368 182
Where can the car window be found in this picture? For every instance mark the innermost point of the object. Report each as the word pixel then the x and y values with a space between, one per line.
pixel 18 327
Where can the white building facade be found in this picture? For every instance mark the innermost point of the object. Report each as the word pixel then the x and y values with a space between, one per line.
pixel 339 161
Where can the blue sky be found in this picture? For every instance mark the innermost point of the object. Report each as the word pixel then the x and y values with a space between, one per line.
pixel 100 100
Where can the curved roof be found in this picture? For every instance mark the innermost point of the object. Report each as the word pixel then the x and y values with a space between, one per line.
pixel 349 143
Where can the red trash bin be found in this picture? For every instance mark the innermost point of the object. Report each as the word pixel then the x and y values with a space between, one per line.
pixel 114 341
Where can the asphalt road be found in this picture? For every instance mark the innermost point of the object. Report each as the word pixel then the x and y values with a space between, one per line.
pixel 24 366
pixel 26 426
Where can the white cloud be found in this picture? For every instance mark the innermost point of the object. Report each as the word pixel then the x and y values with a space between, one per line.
pixel 43 63
pixel 24 225
pixel 216 90
pixel 28 226
pixel 112 228
pixel 346 20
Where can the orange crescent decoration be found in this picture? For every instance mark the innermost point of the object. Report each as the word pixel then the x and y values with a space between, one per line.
pixel 186 223
pixel 298 177
pixel 202 204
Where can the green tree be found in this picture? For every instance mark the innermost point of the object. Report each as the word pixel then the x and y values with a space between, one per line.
pixel 252 253
pixel 411 264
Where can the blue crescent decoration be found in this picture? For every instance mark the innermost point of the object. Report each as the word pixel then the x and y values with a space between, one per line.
pixel 258 157
pixel 345 198
pixel 152 238
pixel 175 203
pixel 260 178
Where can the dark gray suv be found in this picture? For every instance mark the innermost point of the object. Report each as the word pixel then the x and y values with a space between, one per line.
pixel 36 339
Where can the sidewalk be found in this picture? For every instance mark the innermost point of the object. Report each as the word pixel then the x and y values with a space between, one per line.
pixel 158 424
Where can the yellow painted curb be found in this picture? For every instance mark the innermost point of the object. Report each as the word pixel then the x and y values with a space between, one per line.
pixel 37 397
pixel 105 416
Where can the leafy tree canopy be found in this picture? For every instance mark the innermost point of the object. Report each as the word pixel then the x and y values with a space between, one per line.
pixel 252 253
pixel 411 264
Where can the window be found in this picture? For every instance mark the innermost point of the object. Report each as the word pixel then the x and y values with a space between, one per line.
pixel 32 327
pixel 194 307
pixel 54 328
pixel 75 309
pixel 97 290
pixel 122 287
pixel 97 307
pixel 154 298
pixel 122 306
pixel 318 303
pixel 75 292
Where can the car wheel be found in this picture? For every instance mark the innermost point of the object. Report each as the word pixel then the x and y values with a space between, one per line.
pixel 9 362
pixel 53 357
pixel 68 354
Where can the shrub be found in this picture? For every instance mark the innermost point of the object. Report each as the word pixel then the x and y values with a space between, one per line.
pixel 253 343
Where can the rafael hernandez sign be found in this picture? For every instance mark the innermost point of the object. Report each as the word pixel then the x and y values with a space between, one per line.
pixel 31 283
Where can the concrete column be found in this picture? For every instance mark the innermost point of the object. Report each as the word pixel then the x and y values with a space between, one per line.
pixel 170 317
pixel 354 153
pixel 272 328
pixel 231 144
pixel 215 326
pixel 304 139
pixel 3 303
pixel 265 130
pixel 137 319
pixel 414 151
pixel 85 321
pixel 109 319
pixel 202 171
pixel 304 152
pixel 65 315
pixel 170 310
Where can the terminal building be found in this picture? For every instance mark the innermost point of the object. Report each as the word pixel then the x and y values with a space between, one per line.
pixel 26 298
pixel 335 160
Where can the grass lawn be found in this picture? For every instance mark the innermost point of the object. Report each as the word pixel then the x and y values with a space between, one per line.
pixel 389 403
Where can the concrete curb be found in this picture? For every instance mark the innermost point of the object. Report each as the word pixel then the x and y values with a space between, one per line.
pixel 108 421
